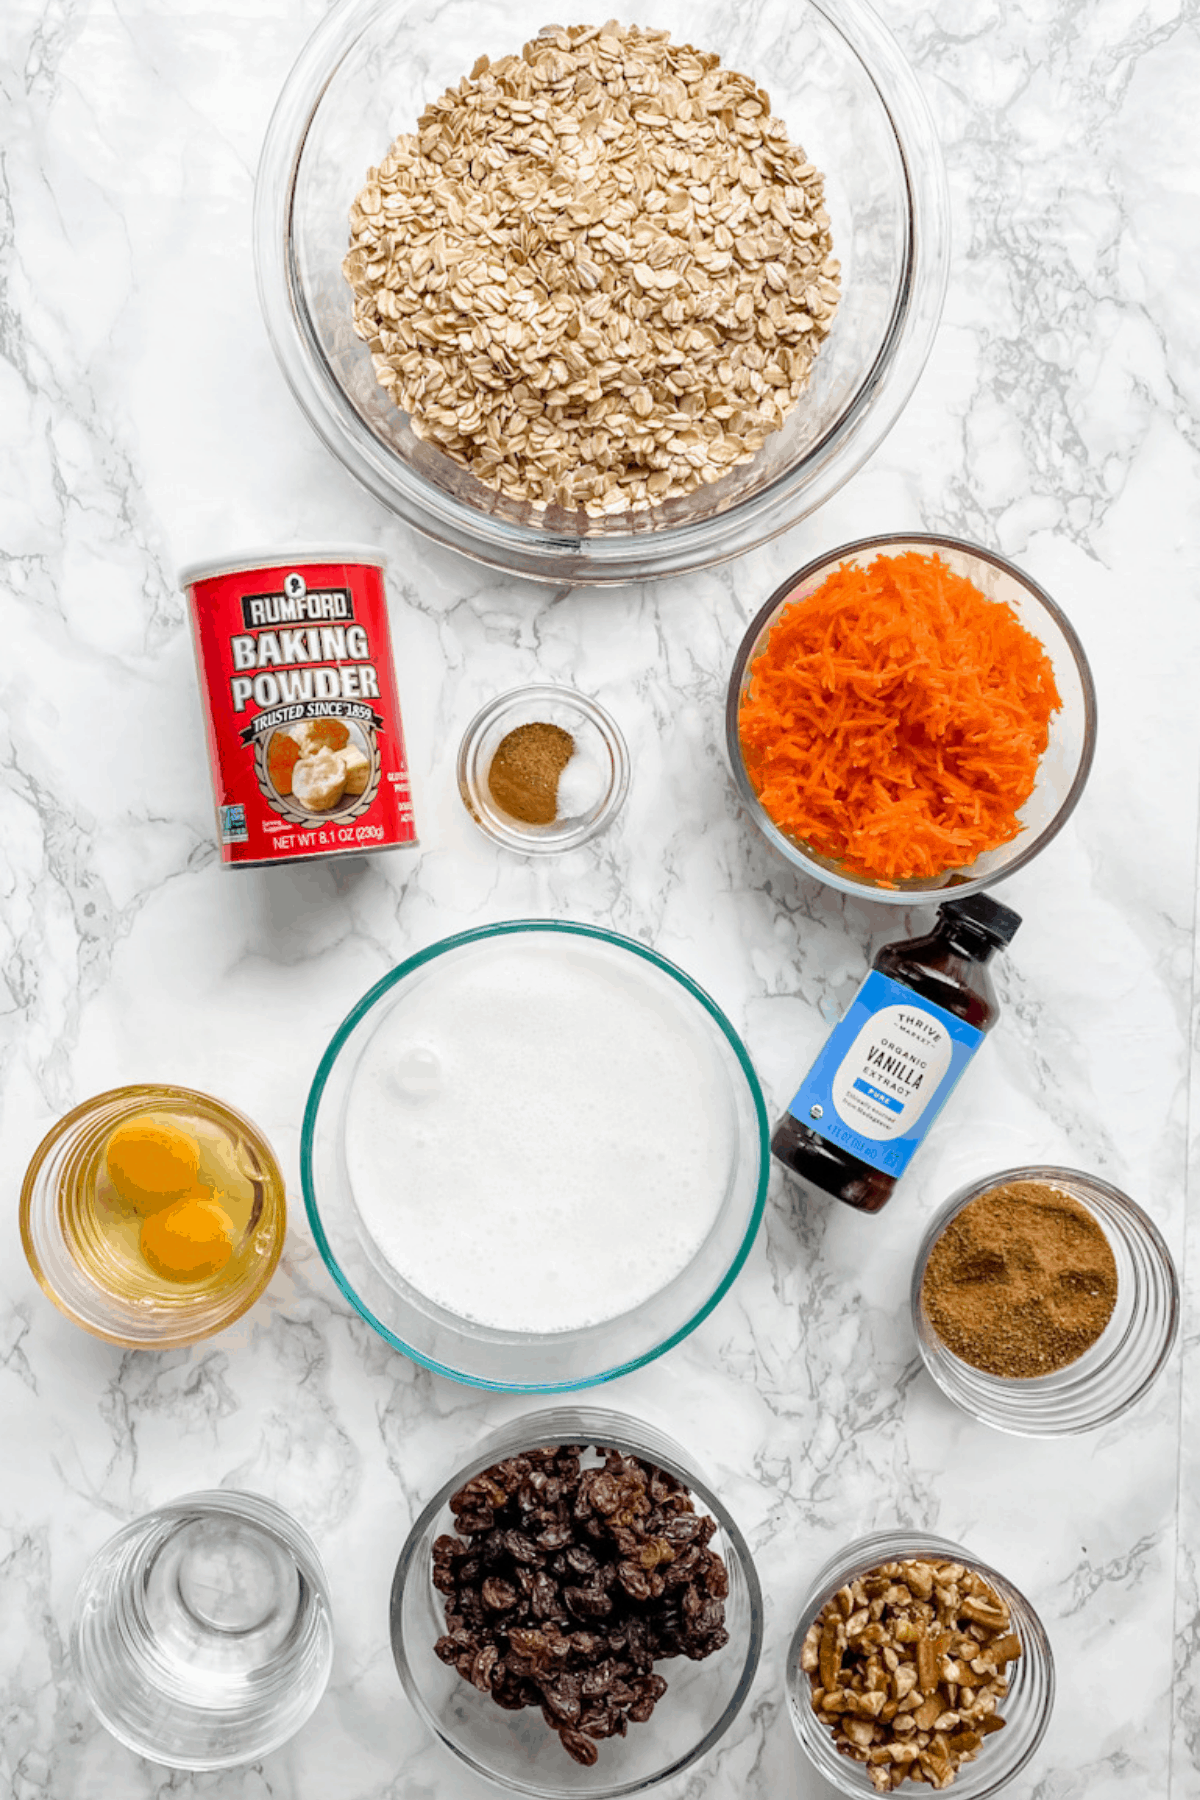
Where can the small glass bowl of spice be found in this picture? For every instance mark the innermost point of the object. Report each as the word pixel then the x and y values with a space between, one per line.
pixel 1045 1301
pixel 542 769
pixel 915 1665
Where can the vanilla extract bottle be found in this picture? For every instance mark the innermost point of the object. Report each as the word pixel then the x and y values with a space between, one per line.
pixel 887 1070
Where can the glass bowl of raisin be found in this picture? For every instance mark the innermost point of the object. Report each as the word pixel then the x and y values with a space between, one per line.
pixel 575 1611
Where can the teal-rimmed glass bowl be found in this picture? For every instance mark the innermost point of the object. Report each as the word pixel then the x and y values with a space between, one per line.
pixel 425 1328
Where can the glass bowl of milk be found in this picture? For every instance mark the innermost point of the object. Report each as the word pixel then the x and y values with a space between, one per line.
pixel 535 1156
pixel 517 1750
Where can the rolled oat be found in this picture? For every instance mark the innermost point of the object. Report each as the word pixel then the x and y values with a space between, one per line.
pixel 598 273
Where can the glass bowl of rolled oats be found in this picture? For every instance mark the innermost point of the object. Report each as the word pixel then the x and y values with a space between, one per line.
pixel 575 1611
pixel 915 1663
pixel 601 302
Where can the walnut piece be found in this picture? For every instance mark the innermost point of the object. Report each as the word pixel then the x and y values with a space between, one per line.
pixel 895 1693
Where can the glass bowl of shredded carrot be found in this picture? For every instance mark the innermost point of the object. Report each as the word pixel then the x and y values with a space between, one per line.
pixel 909 714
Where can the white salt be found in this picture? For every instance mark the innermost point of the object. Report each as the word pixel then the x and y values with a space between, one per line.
pixel 581 784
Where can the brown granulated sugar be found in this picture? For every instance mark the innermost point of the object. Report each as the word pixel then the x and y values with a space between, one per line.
pixel 1021 1282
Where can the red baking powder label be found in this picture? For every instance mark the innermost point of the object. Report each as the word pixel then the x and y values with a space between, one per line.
pixel 304 735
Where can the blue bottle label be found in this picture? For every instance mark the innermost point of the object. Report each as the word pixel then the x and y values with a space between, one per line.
pixel 885 1073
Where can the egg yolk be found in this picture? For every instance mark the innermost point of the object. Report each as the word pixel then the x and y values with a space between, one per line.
pixel 189 1240
pixel 150 1162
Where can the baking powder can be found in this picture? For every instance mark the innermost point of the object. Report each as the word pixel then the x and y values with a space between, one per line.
pixel 304 734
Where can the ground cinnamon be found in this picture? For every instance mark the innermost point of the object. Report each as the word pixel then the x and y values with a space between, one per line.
pixel 1021 1282
pixel 524 773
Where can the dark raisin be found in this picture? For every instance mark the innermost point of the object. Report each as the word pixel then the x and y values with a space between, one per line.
pixel 563 1585
pixel 597 1682
pixel 587 1603
pixel 578 1746
pixel 529 1644
pixel 560 1706
pixel 481 1669
pixel 472 1522
pixel 521 1548
pixel 605 1494
pixel 543 1597
pixel 635 1581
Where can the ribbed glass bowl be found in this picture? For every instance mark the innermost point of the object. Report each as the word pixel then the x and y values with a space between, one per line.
pixel 843 88
pixel 1123 1362
pixel 532 1361
pixel 517 1750
pixel 1064 768
pixel 1025 1709
pixel 202 1633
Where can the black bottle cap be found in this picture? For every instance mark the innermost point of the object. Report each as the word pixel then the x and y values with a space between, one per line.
pixel 997 923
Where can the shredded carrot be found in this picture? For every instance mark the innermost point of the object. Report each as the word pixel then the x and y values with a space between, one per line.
pixel 895 719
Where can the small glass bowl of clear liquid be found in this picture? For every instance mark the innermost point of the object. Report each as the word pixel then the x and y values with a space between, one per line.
pixel 202 1632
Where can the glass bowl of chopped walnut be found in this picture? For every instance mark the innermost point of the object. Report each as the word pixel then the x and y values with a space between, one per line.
pixel 587 302
pixel 915 1662
pixel 575 1611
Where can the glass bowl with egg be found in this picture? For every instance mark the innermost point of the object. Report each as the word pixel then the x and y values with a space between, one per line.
pixel 1025 1706
pixel 153 1216
pixel 841 87
pixel 534 1155
pixel 589 774
pixel 837 738
pixel 1114 1370
pixel 700 1692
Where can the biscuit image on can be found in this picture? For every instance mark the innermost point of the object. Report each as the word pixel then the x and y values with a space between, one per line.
pixel 305 740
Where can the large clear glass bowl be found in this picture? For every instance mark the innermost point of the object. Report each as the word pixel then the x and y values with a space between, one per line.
pixel 513 1359
pixel 1120 1366
pixel 1026 1708
pixel 1065 765
pixel 516 1749
pixel 839 81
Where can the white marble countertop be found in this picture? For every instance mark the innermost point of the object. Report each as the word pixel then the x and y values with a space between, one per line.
pixel 143 421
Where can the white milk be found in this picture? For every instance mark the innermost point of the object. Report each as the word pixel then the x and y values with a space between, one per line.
pixel 540 1137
